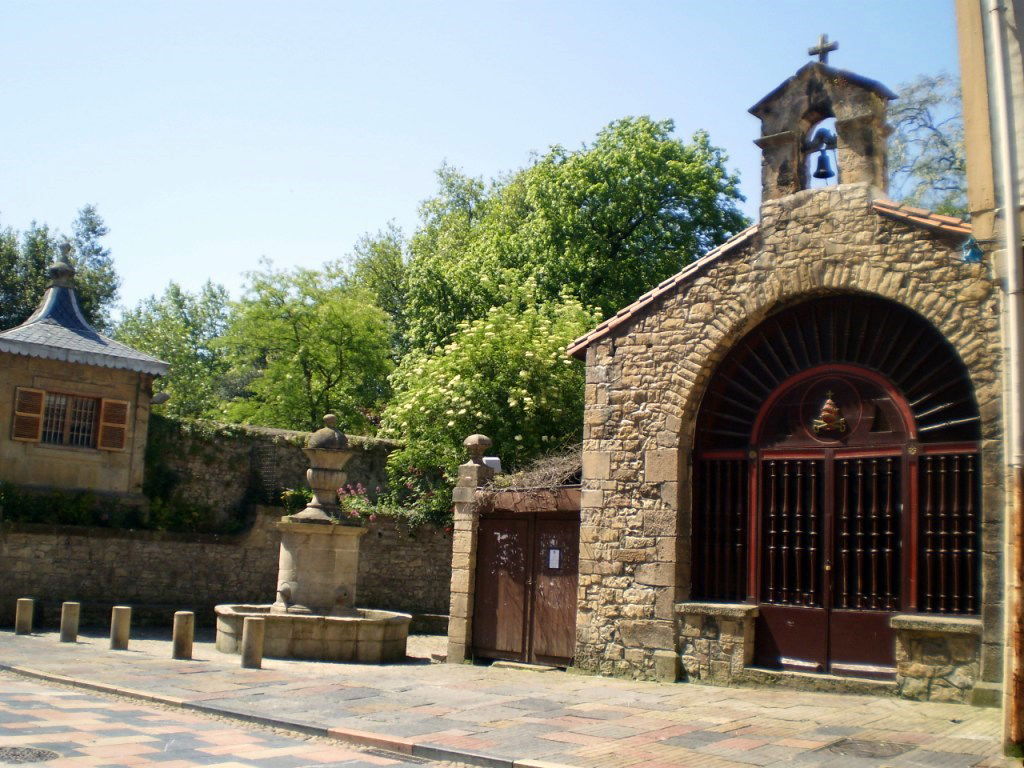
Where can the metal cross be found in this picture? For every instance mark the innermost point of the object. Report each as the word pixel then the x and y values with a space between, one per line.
pixel 823 49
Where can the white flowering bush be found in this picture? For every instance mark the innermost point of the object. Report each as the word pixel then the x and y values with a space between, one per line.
pixel 505 375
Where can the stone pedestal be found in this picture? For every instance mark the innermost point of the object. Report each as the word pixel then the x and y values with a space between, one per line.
pixel 317 569
pixel 716 639
pixel 937 656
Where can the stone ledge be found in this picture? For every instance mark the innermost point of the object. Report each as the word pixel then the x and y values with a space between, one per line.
pixel 947 625
pixel 728 610
pixel 287 525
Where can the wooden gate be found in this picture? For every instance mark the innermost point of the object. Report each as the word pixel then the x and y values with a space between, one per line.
pixel 525 596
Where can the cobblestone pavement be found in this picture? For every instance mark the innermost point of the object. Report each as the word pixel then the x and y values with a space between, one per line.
pixel 514 717
pixel 89 730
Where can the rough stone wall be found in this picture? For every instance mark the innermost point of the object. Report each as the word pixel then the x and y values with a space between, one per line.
pixel 229 467
pixel 936 663
pixel 158 573
pixel 716 641
pixel 404 568
pixel 645 382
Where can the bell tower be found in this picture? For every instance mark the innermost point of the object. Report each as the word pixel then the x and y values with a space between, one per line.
pixel 814 94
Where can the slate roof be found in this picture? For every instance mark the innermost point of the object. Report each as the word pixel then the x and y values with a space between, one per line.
pixel 949 225
pixel 58 331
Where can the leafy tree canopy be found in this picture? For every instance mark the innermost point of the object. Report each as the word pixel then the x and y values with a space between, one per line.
pixel 182 328
pixel 927 162
pixel 378 266
pixel 603 224
pixel 26 256
pixel 505 375
pixel 302 343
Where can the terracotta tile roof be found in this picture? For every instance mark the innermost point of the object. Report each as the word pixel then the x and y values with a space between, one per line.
pixel 949 224
pixel 624 315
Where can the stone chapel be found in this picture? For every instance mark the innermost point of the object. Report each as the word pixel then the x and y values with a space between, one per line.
pixel 792 459
pixel 792 448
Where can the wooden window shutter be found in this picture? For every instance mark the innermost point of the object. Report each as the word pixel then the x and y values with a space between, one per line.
pixel 28 414
pixel 113 425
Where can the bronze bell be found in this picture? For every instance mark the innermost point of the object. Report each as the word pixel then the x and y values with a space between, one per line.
pixel 823 169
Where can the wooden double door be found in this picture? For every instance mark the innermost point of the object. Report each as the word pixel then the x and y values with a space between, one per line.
pixel 832 496
pixel 525 595
pixel 831 560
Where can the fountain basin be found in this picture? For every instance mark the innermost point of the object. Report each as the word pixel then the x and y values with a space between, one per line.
pixel 368 636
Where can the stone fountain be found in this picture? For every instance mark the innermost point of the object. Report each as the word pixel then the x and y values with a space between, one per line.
pixel 314 615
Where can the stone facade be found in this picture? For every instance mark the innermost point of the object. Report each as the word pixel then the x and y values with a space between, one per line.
pixel 400 568
pixel 647 375
pixel 41 465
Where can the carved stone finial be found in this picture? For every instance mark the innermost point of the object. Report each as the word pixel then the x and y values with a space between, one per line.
pixel 328 436
pixel 61 273
pixel 477 445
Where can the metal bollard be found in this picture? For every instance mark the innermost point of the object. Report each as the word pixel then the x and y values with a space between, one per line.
pixel 184 632
pixel 69 613
pixel 23 616
pixel 120 627
pixel 252 642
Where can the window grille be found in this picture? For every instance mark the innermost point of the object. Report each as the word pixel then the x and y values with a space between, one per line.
pixel 57 418
pixel 70 420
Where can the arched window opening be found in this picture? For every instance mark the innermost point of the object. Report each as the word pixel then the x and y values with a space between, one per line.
pixel 837 482
pixel 820 166
pixel 898 390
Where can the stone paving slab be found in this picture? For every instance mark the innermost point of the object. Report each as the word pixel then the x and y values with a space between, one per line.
pixel 516 718
pixel 88 730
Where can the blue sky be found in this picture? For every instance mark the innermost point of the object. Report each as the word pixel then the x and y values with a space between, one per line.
pixel 212 133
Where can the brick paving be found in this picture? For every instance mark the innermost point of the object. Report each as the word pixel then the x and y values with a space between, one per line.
pixel 88 730
pixel 509 717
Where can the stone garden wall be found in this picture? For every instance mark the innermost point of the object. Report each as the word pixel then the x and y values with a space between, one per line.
pixel 230 467
pixel 402 568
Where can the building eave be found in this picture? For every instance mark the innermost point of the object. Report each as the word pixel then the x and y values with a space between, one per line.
pixel 63 354
pixel 578 347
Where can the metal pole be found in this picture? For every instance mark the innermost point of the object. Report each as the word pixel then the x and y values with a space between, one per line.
pixel 1002 102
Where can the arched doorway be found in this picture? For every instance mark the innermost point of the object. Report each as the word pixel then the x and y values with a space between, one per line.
pixel 836 483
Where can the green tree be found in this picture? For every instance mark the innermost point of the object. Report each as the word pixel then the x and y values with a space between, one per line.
pixel 927 161
pixel 604 223
pixel 302 343
pixel 25 258
pixel 505 375
pixel 183 329
pixel 378 266
pixel 96 279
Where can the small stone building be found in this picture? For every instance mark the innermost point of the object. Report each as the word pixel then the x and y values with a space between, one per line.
pixel 76 403
pixel 792 449
pixel 792 459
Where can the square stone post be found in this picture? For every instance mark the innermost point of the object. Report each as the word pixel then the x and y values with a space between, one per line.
pixel 473 474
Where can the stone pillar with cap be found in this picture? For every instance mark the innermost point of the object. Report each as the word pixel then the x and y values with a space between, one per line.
pixel 473 474
pixel 319 557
